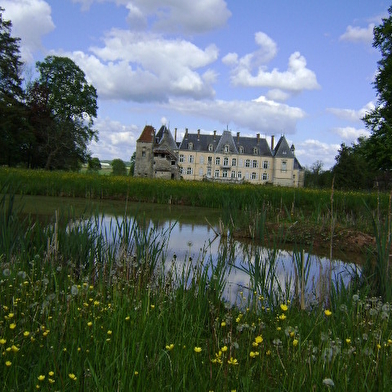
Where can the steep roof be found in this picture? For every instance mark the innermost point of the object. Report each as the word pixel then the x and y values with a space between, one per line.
pixel 147 135
pixel 165 139
pixel 282 149
pixel 226 140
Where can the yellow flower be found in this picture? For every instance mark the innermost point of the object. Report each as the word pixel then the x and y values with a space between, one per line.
pixel 170 347
pixel 253 354
pixel 282 316
pixel 127 318
pixel 152 306
pixel 51 373
pixel 268 352
pixel 197 349
pixel 295 342
pixel 348 341
pixel 72 376
pixel 3 341
pixel 283 307
pixel 51 381
pixel 136 373
pixel 12 326
pixel 232 361
pixel 41 377
pixel 224 349
pixel 14 348
pixel 109 332
pixel 327 312
pixel 26 333
pixel 223 324
pixel 89 323
pixel 259 339
pixel 8 363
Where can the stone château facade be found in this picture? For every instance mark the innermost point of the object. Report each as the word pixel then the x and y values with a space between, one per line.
pixel 221 158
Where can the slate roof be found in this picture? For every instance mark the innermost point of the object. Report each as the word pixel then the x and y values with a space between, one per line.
pixel 164 139
pixel 282 149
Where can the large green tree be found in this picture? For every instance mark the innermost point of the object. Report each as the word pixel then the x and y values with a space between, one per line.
pixel 62 111
pixel 379 121
pixel 12 114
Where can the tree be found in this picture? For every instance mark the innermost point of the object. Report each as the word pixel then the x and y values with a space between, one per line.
pixel 132 168
pixel 12 114
pixel 118 167
pixel 379 120
pixel 94 165
pixel 67 106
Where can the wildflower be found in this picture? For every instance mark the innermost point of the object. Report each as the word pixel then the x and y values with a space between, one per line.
pixel 12 326
pixel 3 341
pixel 327 312
pixel 10 315
pixel 253 354
pixel 51 381
pixel 268 352
pixel 41 377
pixel 26 333
pixel 170 347
pixel 328 382
pixel 136 373
pixel 348 341
pixel 89 323
pixel 72 376
pixel 14 348
pixel 8 363
pixel 127 318
pixel 259 339
pixel 223 324
pixel 282 316
pixel 224 349
pixel 295 342
pixel 109 332
pixel 152 306
pixel 232 361
pixel 284 307
pixel 197 349
pixel 51 373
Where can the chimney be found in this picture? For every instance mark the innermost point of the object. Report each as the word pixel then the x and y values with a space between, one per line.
pixel 238 137
pixel 175 135
pixel 186 133
pixel 214 135
pixel 198 134
pixel 272 142
pixel 258 138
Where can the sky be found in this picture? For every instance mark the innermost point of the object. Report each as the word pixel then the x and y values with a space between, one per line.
pixel 303 69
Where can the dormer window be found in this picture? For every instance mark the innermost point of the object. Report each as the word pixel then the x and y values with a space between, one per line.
pixel 227 149
pixel 255 150
pixel 241 150
pixel 190 146
pixel 210 147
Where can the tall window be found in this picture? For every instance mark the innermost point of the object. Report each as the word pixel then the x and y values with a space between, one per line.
pixel 143 152
pixel 181 158
pixel 208 172
pixel 284 166
pixel 233 174
pixel 254 163
pixel 247 163
pixel 224 173
pixel 241 150
pixel 254 176
pixel 226 161
pixel 227 148
pixel 190 146
pixel 191 158
pixel 255 151
pixel 210 147
pixel 239 175
pixel 216 174
pixel 189 170
pixel 234 162
pixel 265 176
pixel 201 159
pixel 217 161
pixel 209 160
pixel 265 165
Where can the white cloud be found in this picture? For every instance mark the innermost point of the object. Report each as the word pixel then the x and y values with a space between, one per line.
pixel 311 150
pixel 187 16
pixel 250 70
pixel 350 114
pixel 115 139
pixel 31 19
pixel 147 67
pixel 358 34
pixel 260 115
pixel 350 134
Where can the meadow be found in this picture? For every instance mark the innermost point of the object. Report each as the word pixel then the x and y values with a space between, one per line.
pixel 81 312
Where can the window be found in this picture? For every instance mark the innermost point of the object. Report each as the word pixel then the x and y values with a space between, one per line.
pixel 239 175
pixel 247 163
pixel 265 164
pixel 233 174
pixel 240 163
pixel 217 161
pixel 255 151
pixel 208 172
pixel 254 163
pixel 254 176
pixel 284 166
pixel 181 170
pixel 224 174
pixel 181 158
pixel 209 160
pixel 265 176
pixel 234 162
pixel 227 149
pixel 143 152
pixel 201 172
pixel 241 150
pixel 216 174
pixel 225 161
pixel 173 163
pixel 201 159
pixel 191 159
pixel 210 147
pixel 190 146
pixel 189 170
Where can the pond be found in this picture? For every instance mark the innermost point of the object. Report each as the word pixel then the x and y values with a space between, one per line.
pixel 194 239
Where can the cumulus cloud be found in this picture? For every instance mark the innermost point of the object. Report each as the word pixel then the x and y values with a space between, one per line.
pixel 31 20
pixel 350 114
pixel 261 115
pixel 311 150
pixel 147 67
pixel 350 134
pixel 251 71
pixel 358 34
pixel 115 139
pixel 187 16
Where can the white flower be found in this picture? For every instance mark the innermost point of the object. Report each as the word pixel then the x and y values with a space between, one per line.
pixel 328 382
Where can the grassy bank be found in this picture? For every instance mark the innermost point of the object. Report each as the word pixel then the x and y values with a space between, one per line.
pixel 88 311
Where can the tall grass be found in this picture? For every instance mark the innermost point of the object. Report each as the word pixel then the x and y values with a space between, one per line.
pixel 87 309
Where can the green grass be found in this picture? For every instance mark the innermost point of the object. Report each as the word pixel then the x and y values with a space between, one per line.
pixel 80 311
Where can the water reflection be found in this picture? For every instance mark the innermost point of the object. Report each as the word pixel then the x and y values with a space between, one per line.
pixel 191 244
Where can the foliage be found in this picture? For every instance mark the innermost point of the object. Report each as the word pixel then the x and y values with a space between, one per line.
pixel 379 120
pixel 63 106
pixel 94 165
pixel 118 167
pixel 132 167
pixel 316 177
pixel 84 309
pixel 12 111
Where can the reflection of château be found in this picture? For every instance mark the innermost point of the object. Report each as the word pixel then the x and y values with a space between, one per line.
pixel 221 158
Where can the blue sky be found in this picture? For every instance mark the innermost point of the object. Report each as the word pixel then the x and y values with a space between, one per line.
pixel 299 68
